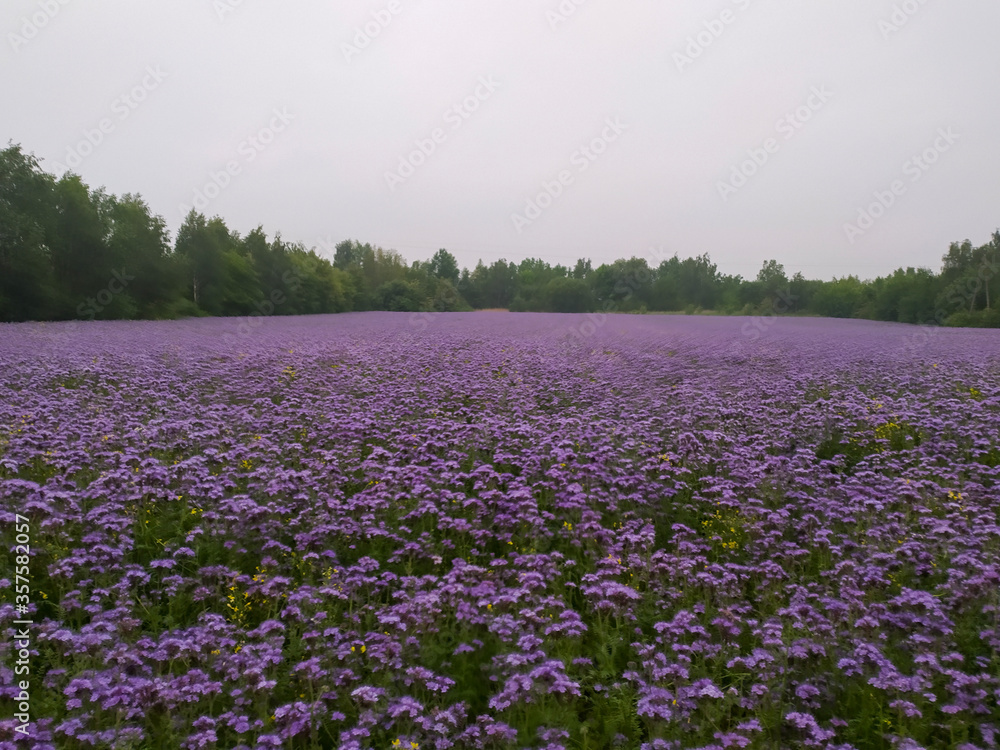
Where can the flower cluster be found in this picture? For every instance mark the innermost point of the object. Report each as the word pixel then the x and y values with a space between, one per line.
pixel 489 534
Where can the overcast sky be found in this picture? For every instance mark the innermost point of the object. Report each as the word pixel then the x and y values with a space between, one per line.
pixel 836 136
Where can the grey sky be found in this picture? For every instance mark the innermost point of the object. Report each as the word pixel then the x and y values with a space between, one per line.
pixel 214 74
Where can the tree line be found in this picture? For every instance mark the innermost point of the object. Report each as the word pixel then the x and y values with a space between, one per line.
pixel 70 252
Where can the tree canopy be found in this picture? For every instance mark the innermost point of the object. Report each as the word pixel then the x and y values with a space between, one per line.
pixel 70 252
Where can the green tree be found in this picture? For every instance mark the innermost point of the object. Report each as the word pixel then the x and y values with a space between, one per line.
pixel 582 269
pixel 348 253
pixel 399 296
pixel 495 285
pixel 569 295
pixel 445 297
pixel 906 296
pixel 222 279
pixel 624 284
pixel 444 266
pixel 698 283
pixel 139 246
pixel 82 261
pixel 312 285
pixel 773 283
pixel 840 298
pixel 801 291
pixel 27 214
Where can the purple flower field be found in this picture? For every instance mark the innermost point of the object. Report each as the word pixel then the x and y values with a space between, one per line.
pixel 487 530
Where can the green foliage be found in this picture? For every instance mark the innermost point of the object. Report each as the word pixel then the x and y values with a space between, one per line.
pixel 840 298
pixel 688 283
pixel 772 279
pixel 27 213
pixel 569 295
pixel 446 298
pixel 444 266
pixel 906 296
pixel 398 296
pixel 977 319
pixel 67 251
pixel 888 436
